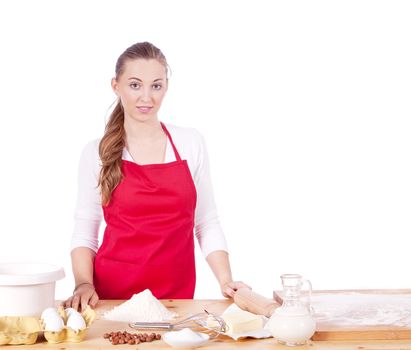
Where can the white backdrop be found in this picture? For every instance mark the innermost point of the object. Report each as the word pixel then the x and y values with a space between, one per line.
pixel 305 107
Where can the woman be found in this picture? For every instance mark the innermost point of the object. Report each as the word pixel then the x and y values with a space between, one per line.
pixel 151 183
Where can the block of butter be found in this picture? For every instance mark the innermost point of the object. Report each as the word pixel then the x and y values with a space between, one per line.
pixel 242 322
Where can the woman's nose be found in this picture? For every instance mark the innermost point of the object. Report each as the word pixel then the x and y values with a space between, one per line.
pixel 146 94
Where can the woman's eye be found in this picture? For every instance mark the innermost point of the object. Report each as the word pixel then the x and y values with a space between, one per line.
pixel 156 86
pixel 134 85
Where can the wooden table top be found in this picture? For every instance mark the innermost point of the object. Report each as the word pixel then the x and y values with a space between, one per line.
pixel 95 340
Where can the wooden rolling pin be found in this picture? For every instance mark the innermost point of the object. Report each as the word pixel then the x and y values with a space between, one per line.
pixel 250 301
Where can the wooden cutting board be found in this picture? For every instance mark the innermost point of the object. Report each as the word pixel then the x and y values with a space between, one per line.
pixel 361 314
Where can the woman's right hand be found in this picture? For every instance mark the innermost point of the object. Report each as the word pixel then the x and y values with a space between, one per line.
pixel 84 294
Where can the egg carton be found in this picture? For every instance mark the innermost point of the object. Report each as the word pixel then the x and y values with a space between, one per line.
pixel 22 330
pixel 68 334
pixel 16 330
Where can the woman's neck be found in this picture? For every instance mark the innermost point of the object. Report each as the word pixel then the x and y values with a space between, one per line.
pixel 142 130
pixel 146 141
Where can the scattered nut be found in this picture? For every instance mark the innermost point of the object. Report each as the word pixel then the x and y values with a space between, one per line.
pixel 130 338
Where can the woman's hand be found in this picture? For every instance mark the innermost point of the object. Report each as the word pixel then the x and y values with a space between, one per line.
pixel 84 294
pixel 229 288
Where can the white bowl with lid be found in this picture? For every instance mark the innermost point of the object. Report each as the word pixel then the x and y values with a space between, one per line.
pixel 26 289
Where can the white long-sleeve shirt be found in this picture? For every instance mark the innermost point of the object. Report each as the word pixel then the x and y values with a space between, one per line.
pixel 191 146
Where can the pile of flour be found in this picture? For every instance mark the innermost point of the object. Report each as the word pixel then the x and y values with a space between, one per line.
pixel 142 307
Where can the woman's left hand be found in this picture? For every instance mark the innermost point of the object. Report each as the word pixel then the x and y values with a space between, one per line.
pixel 229 288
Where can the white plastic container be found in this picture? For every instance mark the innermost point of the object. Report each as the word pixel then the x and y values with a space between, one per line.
pixel 26 289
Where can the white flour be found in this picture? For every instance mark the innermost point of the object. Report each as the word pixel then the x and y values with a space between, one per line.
pixel 142 307
pixel 354 309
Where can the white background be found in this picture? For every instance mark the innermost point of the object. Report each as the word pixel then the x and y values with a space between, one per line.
pixel 305 107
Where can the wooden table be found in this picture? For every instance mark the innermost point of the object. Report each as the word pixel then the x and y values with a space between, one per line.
pixel 94 339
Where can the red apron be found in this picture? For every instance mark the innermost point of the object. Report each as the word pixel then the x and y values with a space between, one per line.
pixel 148 241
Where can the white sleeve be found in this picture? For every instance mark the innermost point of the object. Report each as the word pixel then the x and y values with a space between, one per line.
pixel 208 230
pixel 88 212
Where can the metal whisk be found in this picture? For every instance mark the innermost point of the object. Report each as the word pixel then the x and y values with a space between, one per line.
pixel 204 319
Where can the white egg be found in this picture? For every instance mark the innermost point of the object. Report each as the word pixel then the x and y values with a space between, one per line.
pixel 53 323
pixel 76 322
pixel 69 311
pixel 49 311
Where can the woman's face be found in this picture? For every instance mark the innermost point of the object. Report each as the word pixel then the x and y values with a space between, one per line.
pixel 141 88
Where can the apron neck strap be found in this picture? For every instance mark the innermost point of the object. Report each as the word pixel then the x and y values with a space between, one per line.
pixel 171 141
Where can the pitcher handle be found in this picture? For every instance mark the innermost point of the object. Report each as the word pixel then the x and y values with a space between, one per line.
pixel 310 289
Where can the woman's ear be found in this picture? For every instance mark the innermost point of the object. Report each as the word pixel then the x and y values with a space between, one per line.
pixel 114 86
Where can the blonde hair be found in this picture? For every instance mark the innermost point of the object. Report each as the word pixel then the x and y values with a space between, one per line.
pixel 112 144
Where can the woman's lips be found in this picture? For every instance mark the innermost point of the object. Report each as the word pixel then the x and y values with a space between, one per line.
pixel 144 109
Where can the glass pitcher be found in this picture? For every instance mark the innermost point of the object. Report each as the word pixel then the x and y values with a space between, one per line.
pixel 292 323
